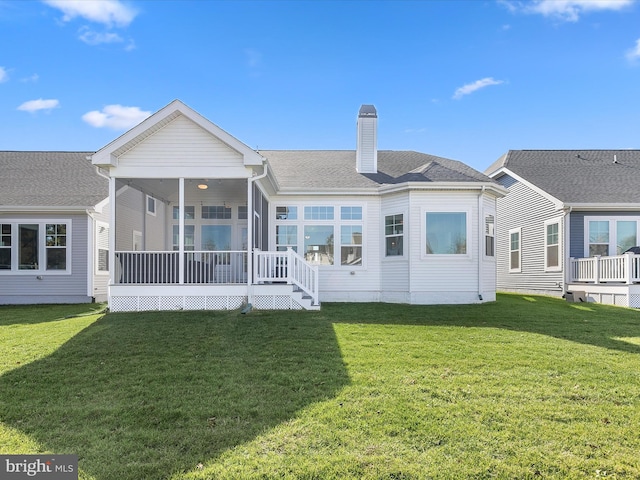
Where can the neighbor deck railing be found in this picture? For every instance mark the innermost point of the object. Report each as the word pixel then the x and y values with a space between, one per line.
pixel 616 269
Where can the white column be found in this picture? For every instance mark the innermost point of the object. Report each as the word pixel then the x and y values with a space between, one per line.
pixel 112 231
pixel 181 230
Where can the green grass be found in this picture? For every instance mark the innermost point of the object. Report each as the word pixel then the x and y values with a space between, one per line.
pixel 527 387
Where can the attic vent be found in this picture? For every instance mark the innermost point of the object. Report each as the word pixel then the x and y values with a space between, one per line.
pixel 367 140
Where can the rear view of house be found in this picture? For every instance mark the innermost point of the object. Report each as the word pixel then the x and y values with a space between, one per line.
pixel 53 228
pixel 201 221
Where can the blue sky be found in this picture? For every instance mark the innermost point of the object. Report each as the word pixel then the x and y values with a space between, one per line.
pixel 466 80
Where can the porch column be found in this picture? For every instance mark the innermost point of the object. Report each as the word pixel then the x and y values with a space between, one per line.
pixel 250 214
pixel 181 230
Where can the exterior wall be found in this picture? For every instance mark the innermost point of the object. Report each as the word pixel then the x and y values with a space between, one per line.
pixel 182 143
pixel 43 287
pixel 130 213
pixel 526 209
pixel 446 278
pixel 394 281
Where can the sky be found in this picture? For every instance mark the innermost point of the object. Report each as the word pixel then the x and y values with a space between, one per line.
pixel 467 80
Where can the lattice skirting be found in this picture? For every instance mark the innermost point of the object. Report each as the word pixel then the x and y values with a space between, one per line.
pixel 140 303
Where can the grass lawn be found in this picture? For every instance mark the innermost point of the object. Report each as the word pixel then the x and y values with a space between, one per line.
pixel 527 387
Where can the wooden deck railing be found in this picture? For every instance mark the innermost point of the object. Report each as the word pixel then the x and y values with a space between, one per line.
pixel 617 269
pixel 287 267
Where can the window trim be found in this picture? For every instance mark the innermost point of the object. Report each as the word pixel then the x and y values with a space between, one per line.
pixel 403 235
pixel 448 256
pixel 613 231
pixel 42 245
pixel 146 205
pixel 99 224
pixel 558 268
pixel 519 232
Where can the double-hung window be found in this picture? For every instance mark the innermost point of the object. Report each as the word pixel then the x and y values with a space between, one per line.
pixel 489 236
pixel 102 247
pixel 552 245
pixel 35 246
pixel 394 235
pixel 515 250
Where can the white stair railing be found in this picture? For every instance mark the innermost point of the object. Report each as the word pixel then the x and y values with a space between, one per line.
pixel 287 267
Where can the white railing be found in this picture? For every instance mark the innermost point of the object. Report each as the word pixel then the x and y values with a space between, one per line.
pixel 619 269
pixel 286 267
pixel 162 268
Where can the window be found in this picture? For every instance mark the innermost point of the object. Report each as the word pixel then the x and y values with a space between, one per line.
pixel 599 238
pixel 216 237
pixel 489 236
pixel 216 212
pixel 318 213
pixel 351 245
pixel 446 233
pixel 35 246
pixel 350 213
pixel 286 213
pixel 151 205
pixel 394 234
pixel 242 212
pixel 189 212
pixel 318 244
pixel 286 237
pixel 515 250
pixel 5 246
pixel 102 247
pixel 626 235
pixel 552 245
pixel 189 237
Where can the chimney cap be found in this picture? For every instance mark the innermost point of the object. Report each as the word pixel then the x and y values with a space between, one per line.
pixel 368 111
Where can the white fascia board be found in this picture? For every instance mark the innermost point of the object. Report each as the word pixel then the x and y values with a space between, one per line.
pixel 48 209
pixel 632 207
pixel 327 191
pixel 559 204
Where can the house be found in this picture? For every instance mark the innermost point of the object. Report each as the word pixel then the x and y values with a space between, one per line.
pixel 54 217
pixel 567 221
pixel 201 221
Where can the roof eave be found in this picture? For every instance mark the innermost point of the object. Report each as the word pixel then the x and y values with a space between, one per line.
pixel 604 206
pixel 45 209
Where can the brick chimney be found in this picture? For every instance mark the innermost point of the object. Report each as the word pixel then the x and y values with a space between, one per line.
pixel 367 145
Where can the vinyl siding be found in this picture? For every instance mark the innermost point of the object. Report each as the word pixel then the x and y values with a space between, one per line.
pixel 526 209
pixel 100 280
pixel 27 288
pixel 395 270
pixel 181 143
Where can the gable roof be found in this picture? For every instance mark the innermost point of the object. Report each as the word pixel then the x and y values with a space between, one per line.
pixel 107 155
pixel 50 180
pixel 577 176
pixel 336 169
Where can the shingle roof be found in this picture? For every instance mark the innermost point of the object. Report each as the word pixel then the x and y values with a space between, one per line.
pixel 50 179
pixel 578 176
pixel 336 169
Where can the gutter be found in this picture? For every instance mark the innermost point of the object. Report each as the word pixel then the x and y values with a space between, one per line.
pixel 250 215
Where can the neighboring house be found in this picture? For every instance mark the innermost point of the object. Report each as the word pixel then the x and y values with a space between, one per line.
pixel 566 222
pixel 201 221
pixel 53 228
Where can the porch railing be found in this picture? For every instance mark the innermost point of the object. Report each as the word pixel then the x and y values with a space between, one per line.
pixel 161 268
pixel 616 269
pixel 287 267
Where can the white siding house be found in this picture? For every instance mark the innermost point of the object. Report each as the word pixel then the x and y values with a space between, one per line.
pixel 201 221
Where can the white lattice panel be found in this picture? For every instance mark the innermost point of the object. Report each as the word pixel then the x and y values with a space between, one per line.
pixel 295 305
pixel 148 303
pixel 195 303
pixel 281 302
pixel 217 303
pixel 263 302
pixel 171 303
pixel 620 300
pixel 236 301
pixel 634 300
pixel 124 304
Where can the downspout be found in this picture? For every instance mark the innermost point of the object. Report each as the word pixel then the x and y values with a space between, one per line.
pixel 250 215
pixel 480 243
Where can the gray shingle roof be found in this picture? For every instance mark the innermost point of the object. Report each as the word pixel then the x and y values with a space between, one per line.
pixel 336 169
pixel 578 176
pixel 50 179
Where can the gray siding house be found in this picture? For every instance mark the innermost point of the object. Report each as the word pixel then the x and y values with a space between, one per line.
pixel 53 228
pixel 567 221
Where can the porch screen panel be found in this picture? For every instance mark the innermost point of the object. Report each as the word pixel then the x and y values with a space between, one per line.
pixel 216 237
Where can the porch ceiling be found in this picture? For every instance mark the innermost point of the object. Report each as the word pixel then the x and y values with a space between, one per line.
pixel 167 189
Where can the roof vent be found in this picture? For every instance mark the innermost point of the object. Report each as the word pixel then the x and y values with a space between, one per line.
pixel 367 141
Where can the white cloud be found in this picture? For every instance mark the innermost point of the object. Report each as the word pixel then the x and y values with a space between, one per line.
pixel 566 10
pixel 106 12
pixel 32 79
pixel 4 75
pixel 96 38
pixel 40 104
pixel 477 85
pixel 634 53
pixel 116 117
